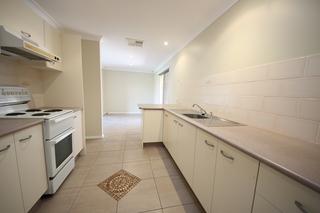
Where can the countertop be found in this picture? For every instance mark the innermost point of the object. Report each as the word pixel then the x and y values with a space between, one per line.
pixel 298 159
pixel 8 126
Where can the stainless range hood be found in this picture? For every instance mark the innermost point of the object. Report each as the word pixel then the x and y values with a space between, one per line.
pixel 14 45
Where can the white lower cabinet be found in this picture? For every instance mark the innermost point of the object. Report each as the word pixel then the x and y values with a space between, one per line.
pixel 10 191
pixel 31 164
pixel 284 193
pixel 185 147
pixel 172 135
pixel 23 177
pixel 261 205
pixel 235 181
pixel 152 126
pixel 166 120
pixel 77 136
pixel 204 168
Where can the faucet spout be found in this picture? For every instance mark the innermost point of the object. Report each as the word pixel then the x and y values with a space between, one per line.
pixel 202 111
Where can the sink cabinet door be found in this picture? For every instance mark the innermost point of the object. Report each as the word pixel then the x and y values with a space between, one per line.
pixel 185 149
pixel 10 192
pixel 235 181
pixel 31 164
pixel 77 143
pixel 165 128
pixel 172 136
pixel 204 168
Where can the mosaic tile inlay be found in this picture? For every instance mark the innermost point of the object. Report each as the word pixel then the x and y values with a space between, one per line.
pixel 119 184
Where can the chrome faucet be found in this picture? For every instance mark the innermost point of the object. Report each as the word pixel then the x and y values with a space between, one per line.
pixel 202 111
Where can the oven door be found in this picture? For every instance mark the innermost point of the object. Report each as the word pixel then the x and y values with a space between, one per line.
pixel 58 152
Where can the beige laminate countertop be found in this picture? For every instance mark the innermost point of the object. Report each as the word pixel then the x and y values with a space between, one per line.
pixel 295 158
pixel 8 126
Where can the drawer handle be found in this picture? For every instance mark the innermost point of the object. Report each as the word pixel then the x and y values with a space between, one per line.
pixel 25 34
pixel 175 121
pixel 5 149
pixel 23 140
pixel 209 144
pixel 180 125
pixel 166 115
pixel 226 156
pixel 300 206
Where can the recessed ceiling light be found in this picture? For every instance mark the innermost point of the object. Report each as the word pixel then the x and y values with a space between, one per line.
pixel 166 43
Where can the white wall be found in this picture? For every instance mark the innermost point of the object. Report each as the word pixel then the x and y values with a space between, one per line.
pixel 122 91
pixel 92 82
pixel 247 67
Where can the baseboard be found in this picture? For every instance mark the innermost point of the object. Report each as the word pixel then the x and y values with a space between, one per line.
pixel 121 113
pixel 94 137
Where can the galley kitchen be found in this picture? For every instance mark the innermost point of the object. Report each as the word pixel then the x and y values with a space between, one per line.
pixel 171 106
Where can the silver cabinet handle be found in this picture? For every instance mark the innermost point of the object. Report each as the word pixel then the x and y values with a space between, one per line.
pixel 25 139
pixel 180 125
pixel 6 148
pixel 300 206
pixel 209 144
pixel 226 156
pixel 25 34
pixel 175 121
pixel 166 115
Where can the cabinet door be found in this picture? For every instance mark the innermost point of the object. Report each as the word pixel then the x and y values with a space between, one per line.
pixel 152 126
pixel 172 135
pixel 165 128
pixel 17 16
pixel 235 181
pixel 262 206
pixel 10 192
pixel 77 136
pixel 31 164
pixel 185 149
pixel 285 193
pixel 204 168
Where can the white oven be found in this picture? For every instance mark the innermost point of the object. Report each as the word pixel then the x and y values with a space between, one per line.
pixel 58 152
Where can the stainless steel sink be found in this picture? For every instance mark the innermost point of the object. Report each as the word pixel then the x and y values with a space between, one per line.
pixel 219 122
pixel 195 116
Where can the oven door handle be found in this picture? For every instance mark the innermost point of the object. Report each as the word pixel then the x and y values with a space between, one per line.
pixel 61 137
pixel 69 115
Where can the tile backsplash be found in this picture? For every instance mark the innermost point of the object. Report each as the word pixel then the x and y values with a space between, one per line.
pixel 283 97
pixel 14 73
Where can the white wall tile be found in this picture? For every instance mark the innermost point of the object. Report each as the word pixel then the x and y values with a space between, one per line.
pixel 252 102
pixel 303 129
pixel 251 74
pixel 236 114
pixel 301 87
pixel 261 119
pixel 281 106
pixel 313 65
pixel 288 69
pixel 310 109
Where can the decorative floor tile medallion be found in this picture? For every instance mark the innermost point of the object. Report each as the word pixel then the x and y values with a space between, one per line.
pixel 119 184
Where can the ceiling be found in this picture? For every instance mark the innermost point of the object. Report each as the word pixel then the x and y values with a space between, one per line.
pixel 153 21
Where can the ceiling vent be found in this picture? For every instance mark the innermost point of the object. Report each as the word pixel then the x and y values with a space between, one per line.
pixel 135 42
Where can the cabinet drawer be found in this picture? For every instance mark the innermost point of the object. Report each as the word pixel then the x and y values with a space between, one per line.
pixel 285 193
pixel 263 206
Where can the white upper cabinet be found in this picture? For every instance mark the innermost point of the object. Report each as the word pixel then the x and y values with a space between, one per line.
pixel 204 168
pixel 10 191
pixel 235 181
pixel 17 16
pixel 284 193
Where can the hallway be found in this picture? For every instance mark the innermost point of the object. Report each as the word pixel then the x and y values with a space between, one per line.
pixel 162 189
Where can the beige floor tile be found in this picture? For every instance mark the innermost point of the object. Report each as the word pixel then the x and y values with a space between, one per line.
pixel 109 157
pixel 173 191
pixel 135 155
pixel 103 146
pixel 94 199
pixel 141 169
pixel 60 202
pixel 190 208
pixel 76 177
pixel 86 160
pixel 156 151
pixel 142 197
pixel 164 167
pixel 99 173
pixel 154 211
pixel 133 145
